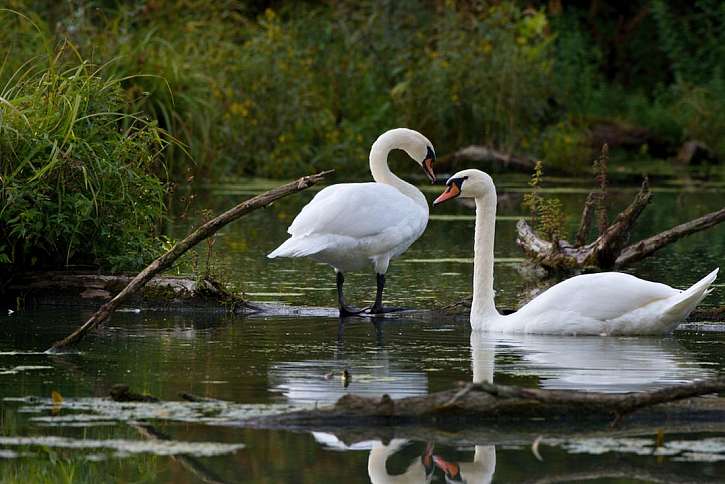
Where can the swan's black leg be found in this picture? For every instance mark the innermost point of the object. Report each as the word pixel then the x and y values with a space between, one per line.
pixel 345 310
pixel 378 307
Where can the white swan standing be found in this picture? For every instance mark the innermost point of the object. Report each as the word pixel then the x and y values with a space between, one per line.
pixel 611 303
pixel 352 225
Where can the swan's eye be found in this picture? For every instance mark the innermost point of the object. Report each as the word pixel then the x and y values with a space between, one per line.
pixel 430 154
pixel 458 182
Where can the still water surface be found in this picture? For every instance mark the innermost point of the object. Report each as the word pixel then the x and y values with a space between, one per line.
pixel 271 364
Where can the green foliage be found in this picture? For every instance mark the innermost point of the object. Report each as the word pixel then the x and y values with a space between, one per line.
pixel 77 182
pixel 308 86
pixel 477 75
pixel 548 214
pixel 692 37
pixel 565 146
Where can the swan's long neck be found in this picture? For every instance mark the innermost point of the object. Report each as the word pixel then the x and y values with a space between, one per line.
pixel 381 171
pixel 483 306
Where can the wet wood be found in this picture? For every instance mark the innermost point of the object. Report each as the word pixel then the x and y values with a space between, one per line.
pixel 492 401
pixel 585 225
pixel 648 246
pixel 166 260
pixel 602 252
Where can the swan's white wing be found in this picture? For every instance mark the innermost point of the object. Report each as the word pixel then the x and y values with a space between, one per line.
pixel 602 297
pixel 356 210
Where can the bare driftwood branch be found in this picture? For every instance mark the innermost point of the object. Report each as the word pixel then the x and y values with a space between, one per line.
pixel 602 166
pixel 601 253
pixel 643 248
pixel 585 225
pixel 488 400
pixel 166 260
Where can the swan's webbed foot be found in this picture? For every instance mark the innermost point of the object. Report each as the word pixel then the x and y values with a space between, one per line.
pixel 347 311
pixel 380 309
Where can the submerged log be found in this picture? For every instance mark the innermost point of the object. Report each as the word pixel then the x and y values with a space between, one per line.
pixel 492 401
pixel 474 402
pixel 180 248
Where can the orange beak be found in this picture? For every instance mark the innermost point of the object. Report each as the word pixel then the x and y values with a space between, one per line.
pixel 448 467
pixel 451 192
pixel 428 168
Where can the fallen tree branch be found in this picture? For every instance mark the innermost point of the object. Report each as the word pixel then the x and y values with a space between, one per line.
pixel 166 260
pixel 646 247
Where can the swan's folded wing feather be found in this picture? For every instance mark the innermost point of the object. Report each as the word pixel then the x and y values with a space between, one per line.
pixel 603 296
pixel 355 210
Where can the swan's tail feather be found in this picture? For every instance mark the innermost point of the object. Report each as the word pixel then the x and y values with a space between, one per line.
pixel 298 247
pixel 688 299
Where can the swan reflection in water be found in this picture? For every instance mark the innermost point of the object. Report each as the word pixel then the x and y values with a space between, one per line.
pixel 372 374
pixel 610 364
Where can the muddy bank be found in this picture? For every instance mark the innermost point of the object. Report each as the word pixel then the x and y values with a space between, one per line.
pixel 75 289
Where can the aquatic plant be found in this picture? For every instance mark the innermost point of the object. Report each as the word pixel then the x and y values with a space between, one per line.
pixel 547 213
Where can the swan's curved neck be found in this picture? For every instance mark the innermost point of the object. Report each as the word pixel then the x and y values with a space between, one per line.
pixel 483 307
pixel 381 171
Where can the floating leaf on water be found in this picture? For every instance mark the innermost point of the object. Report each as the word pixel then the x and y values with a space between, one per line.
pixel 56 397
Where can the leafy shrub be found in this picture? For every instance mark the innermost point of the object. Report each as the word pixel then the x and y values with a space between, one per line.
pixel 77 183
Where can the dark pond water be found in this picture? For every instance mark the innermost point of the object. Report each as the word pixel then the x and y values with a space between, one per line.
pixel 268 365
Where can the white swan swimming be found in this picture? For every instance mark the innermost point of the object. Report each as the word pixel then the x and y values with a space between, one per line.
pixel 352 225
pixel 611 303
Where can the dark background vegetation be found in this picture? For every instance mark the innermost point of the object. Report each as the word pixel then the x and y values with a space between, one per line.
pixel 107 106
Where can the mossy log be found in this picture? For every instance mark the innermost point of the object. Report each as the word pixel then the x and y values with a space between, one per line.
pixel 181 247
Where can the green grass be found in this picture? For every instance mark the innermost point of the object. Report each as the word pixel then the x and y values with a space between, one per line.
pixel 82 178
